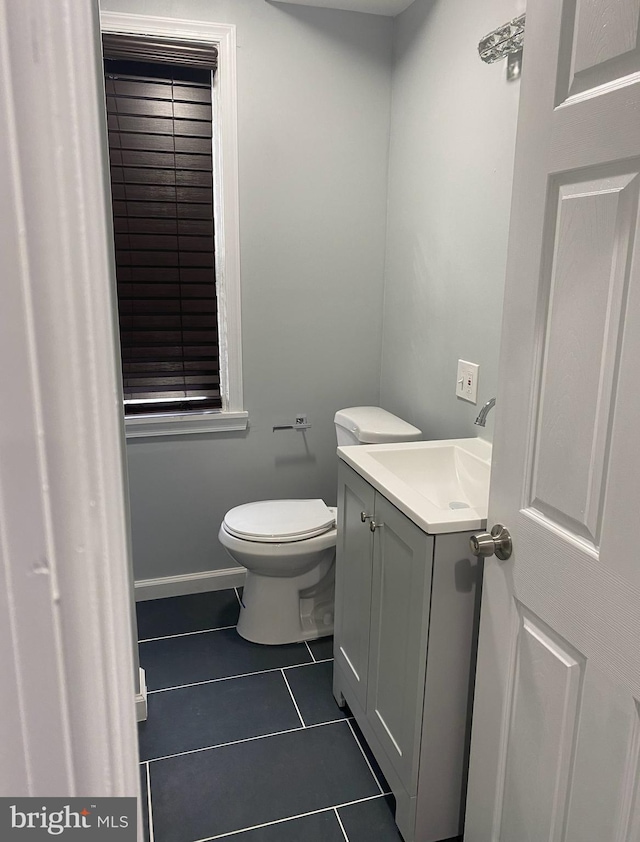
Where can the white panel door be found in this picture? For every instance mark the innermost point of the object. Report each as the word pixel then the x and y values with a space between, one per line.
pixel 556 733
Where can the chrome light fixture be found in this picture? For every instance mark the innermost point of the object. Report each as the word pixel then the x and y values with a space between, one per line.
pixel 503 41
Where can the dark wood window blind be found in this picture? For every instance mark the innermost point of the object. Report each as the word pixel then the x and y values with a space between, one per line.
pixel 162 50
pixel 160 146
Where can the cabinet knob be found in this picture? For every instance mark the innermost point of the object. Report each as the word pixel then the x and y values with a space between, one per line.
pixel 373 525
pixel 364 516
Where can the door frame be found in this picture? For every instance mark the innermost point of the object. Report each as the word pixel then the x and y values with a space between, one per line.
pixel 66 642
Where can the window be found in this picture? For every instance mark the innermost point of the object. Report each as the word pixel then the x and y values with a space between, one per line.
pixel 160 148
pixel 180 355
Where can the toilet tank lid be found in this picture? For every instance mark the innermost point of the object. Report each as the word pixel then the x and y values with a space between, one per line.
pixel 374 425
pixel 279 520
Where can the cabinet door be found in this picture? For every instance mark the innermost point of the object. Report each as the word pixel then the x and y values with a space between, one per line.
pixel 402 565
pixel 353 580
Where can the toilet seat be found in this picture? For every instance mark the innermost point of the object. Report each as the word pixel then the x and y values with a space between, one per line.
pixel 279 521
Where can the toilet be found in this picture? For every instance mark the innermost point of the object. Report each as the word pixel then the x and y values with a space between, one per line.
pixel 289 546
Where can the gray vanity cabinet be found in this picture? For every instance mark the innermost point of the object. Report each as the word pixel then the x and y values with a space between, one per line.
pixel 405 625
pixel 398 628
pixel 353 584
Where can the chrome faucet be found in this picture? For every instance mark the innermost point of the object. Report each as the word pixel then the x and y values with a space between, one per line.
pixel 481 420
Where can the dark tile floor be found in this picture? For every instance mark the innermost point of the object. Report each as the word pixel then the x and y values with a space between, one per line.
pixel 245 742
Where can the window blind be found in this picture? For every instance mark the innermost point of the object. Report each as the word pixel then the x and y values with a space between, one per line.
pixel 160 146
pixel 166 51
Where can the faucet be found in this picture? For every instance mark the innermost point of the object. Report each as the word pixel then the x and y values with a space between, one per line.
pixel 481 420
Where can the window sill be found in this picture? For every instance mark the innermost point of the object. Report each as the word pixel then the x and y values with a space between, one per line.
pixel 147 426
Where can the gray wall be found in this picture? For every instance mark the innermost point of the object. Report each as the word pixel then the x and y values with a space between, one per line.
pixel 314 99
pixel 331 104
pixel 452 144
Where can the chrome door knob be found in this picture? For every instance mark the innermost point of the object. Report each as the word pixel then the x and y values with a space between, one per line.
pixel 497 542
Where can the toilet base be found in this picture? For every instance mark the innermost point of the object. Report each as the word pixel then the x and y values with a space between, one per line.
pixel 277 610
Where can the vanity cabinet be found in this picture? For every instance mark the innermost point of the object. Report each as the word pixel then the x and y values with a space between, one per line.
pixel 405 624
pixel 356 501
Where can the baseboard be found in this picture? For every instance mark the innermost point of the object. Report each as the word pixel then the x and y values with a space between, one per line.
pixel 208 580
pixel 141 698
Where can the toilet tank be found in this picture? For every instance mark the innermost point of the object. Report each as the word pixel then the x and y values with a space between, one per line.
pixel 372 425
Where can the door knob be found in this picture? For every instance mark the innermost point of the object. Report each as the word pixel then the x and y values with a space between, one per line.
pixel 497 541
pixel 364 517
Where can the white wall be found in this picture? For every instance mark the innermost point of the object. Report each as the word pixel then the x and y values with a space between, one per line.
pixel 314 102
pixel 453 128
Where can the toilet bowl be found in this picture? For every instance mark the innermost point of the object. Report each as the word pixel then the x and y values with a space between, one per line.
pixel 288 548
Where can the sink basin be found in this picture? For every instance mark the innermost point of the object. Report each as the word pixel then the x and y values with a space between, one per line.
pixel 443 486
pixel 448 476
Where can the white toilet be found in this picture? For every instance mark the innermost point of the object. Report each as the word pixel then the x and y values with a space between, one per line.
pixel 289 546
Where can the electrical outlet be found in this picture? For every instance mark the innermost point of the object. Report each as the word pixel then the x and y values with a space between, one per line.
pixel 467 381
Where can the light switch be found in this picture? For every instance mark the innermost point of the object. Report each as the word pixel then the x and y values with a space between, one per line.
pixel 467 381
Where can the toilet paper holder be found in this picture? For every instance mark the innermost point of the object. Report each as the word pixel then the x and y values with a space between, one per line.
pixel 301 423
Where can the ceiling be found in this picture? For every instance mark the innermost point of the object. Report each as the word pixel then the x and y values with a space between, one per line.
pixel 372 7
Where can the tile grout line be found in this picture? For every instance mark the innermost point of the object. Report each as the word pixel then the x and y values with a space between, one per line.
pixel 288 818
pixel 375 777
pixel 149 806
pixel 240 675
pixel 293 698
pixel 344 832
pixel 243 740
pixel 313 657
pixel 214 680
pixel 184 634
pixel 221 745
